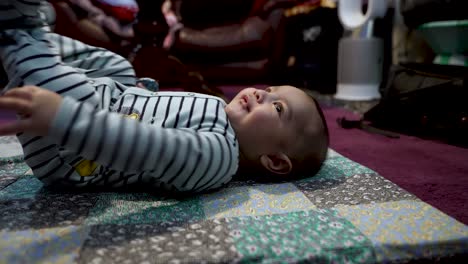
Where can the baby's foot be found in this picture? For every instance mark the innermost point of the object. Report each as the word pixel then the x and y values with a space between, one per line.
pixel 24 14
pixel 148 83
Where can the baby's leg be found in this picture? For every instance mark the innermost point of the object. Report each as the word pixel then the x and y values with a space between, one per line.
pixel 95 61
pixel 14 13
pixel 44 66
pixel 30 58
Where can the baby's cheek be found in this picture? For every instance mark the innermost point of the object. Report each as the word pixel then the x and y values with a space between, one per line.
pixel 263 117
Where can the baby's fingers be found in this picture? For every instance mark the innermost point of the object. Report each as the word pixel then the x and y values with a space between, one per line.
pixel 17 105
pixel 25 92
pixel 14 127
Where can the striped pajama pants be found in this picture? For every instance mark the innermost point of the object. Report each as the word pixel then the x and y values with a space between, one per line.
pixel 34 56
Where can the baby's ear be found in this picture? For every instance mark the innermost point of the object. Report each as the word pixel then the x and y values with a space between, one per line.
pixel 278 163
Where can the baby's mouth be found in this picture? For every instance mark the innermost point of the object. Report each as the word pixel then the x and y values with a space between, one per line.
pixel 245 102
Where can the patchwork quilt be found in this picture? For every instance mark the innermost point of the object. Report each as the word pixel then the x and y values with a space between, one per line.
pixel 346 214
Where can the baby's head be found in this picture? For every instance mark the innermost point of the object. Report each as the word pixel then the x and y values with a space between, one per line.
pixel 281 131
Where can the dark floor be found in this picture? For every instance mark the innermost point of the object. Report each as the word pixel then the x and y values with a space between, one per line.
pixel 358 107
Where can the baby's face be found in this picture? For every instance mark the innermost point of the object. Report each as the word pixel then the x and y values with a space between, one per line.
pixel 267 121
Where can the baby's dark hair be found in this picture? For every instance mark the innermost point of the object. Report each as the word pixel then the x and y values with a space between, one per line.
pixel 313 151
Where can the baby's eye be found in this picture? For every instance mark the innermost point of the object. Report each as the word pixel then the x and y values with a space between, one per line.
pixel 278 107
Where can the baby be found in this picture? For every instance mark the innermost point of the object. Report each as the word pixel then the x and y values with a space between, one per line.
pixel 89 125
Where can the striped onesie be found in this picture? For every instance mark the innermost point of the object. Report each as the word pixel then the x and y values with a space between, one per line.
pixel 108 132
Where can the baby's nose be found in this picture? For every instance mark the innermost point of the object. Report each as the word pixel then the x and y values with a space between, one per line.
pixel 259 95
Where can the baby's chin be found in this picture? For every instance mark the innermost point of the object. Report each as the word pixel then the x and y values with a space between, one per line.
pixel 233 110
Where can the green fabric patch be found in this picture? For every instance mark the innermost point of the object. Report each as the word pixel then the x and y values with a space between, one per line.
pixel 141 208
pixel 300 236
pixel 24 188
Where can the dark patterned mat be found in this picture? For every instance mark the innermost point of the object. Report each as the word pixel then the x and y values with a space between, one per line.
pixel 346 214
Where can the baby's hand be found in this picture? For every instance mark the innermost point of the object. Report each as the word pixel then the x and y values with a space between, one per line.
pixel 35 106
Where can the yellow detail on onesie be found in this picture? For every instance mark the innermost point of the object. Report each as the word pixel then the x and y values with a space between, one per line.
pixel 133 116
pixel 86 167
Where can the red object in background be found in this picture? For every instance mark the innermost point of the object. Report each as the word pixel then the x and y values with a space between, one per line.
pixel 124 14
